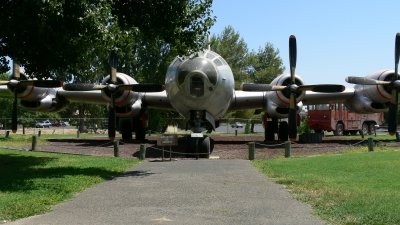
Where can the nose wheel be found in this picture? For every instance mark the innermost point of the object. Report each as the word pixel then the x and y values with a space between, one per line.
pixel 199 147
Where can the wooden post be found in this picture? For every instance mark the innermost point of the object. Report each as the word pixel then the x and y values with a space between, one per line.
pixel 252 147
pixel 39 133
pixel 7 134
pixel 116 148
pixel 78 133
pixel 370 145
pixel 34 142
pixel 288 149
pixel 142 153
pixel 398 136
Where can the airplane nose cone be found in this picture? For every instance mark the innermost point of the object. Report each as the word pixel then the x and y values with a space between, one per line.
pixel 202 65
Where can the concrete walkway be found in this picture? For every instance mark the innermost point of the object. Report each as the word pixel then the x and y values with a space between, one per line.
pixel 182 192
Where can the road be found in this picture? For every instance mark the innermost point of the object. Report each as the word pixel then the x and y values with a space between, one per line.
pixel 182 192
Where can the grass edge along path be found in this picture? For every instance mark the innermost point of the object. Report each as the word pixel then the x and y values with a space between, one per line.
pixel 32 182
pixel 351 188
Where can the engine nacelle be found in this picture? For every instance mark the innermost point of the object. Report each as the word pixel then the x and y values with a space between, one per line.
pixel 128 103
pixel 277 104
pixel 371 98
pixel 28 93
pixel 49 103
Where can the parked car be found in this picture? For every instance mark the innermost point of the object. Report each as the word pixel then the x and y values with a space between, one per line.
pixel 237 125
pixel 43 124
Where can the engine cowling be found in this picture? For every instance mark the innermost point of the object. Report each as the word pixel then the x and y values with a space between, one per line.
pixel 128 103
pixel 371 98
pixel 44 101
pixel 277 104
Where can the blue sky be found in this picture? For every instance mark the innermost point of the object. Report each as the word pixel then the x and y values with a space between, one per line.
pixel 335 39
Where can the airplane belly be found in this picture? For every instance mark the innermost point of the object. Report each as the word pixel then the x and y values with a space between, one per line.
pixel 216 104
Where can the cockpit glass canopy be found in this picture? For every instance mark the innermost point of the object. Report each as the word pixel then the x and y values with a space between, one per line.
pixel 200 64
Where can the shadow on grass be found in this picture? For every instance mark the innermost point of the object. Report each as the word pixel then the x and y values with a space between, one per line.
pixel 17 172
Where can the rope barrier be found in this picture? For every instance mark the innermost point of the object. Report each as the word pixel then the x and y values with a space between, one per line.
pixel 357 143
pixel 267 146
pixel 178 153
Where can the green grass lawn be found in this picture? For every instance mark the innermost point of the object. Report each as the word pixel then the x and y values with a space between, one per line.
pixel 32 182
pixel 352 188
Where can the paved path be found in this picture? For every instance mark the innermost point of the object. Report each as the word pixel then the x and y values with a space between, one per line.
pixel 182 192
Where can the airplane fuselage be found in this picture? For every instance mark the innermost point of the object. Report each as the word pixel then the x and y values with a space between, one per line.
pixel 201 85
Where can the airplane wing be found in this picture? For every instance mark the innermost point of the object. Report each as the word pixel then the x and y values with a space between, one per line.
pixel 93 97
pixel 157 100
pixel 248 100
pixel 314 98
pixel 259 100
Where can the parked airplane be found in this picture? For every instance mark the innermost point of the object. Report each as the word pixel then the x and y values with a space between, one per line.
pixel 201 88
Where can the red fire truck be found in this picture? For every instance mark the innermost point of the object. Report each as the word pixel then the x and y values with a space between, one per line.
pixel 337 118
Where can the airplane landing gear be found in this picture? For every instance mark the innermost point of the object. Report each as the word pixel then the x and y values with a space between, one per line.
pixel 199 147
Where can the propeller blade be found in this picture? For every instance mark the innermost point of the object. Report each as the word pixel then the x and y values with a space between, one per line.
pixel 113 75
pixel 396 53
pixel 292 57
pixel 16 70
pixel 392 115
pixel 111 119
pixel 83 87
pixel 365 81
pixel 323 88
pixel 14 119
pixel 261 87
pixel 292 117
pixel 42 83
pixel 141 87
pixel 113 62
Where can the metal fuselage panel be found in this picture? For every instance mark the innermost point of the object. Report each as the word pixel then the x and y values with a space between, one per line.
pixel 201 82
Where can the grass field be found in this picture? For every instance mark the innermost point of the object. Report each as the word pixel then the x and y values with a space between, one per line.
pixel 352 188
pixel 32 182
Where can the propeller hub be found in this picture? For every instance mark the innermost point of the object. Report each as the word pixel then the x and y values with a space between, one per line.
pixel 112 87
pixel 293 87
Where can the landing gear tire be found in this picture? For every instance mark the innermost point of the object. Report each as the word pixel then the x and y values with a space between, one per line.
pixel 271 129
pixel 125 127
pixel 200 147
pixel 339 129
pixel 140 130
pixel 283 133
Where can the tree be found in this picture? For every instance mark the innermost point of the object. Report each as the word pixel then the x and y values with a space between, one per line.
pixel 234 50
pixel 265 64
pixel 59 39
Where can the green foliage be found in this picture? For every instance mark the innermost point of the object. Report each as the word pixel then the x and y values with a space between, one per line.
pixel 304 128
pixel 354 188
pixel 66 39
pixel 247 129
pixel 265 64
